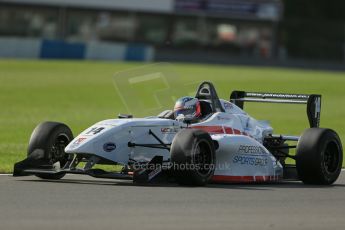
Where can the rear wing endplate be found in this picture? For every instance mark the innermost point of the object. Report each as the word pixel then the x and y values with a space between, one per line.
pixel 313 102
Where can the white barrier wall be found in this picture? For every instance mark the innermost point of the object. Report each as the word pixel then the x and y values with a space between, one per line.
pixel 58 49
pixel 20 48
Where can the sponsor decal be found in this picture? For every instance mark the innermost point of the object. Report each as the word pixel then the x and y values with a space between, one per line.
pixel 248 156
pixel 79 140
pixel 109 147
pixel 154 173
pixel 251 149
pixel 169 130
pixel 278 95
pixel 223 118
pixel 250 160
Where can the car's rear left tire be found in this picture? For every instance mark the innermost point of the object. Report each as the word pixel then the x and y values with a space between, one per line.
pixel 51 138
pixel 193 157
pixel 319 156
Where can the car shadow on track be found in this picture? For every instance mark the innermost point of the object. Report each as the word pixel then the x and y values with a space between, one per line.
pixel 282 184
pixel 243 186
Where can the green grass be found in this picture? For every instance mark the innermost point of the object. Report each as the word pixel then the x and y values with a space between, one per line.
pixel 82 93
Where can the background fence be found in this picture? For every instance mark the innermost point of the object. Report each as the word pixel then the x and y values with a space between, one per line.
pixel 180 30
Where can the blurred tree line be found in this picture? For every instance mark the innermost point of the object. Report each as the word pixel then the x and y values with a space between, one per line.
pixel 314 29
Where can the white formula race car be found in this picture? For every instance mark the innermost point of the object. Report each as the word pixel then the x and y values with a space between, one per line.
pixel 225 145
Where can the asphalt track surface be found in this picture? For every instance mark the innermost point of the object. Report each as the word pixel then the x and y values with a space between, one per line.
pixel 81 202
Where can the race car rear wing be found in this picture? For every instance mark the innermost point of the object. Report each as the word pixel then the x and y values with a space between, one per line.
pixel 313 102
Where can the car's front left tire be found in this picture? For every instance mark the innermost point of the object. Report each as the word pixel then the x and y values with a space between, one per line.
pixel 193 157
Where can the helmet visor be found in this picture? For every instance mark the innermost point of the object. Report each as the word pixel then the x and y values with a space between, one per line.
pixel 184 112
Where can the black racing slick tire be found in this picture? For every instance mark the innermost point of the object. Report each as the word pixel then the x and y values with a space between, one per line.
pixel 193 157
pixel 51 138
pixel 319 156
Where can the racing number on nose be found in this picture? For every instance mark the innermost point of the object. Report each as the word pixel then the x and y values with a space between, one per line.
pixel 95 130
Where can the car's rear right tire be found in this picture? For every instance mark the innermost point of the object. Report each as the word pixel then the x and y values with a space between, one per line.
pixel 319 156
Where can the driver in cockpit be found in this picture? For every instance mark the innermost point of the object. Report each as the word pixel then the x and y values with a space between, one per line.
pixel 187 108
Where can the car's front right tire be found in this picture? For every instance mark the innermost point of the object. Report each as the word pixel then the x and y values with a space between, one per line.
pixel 51 138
